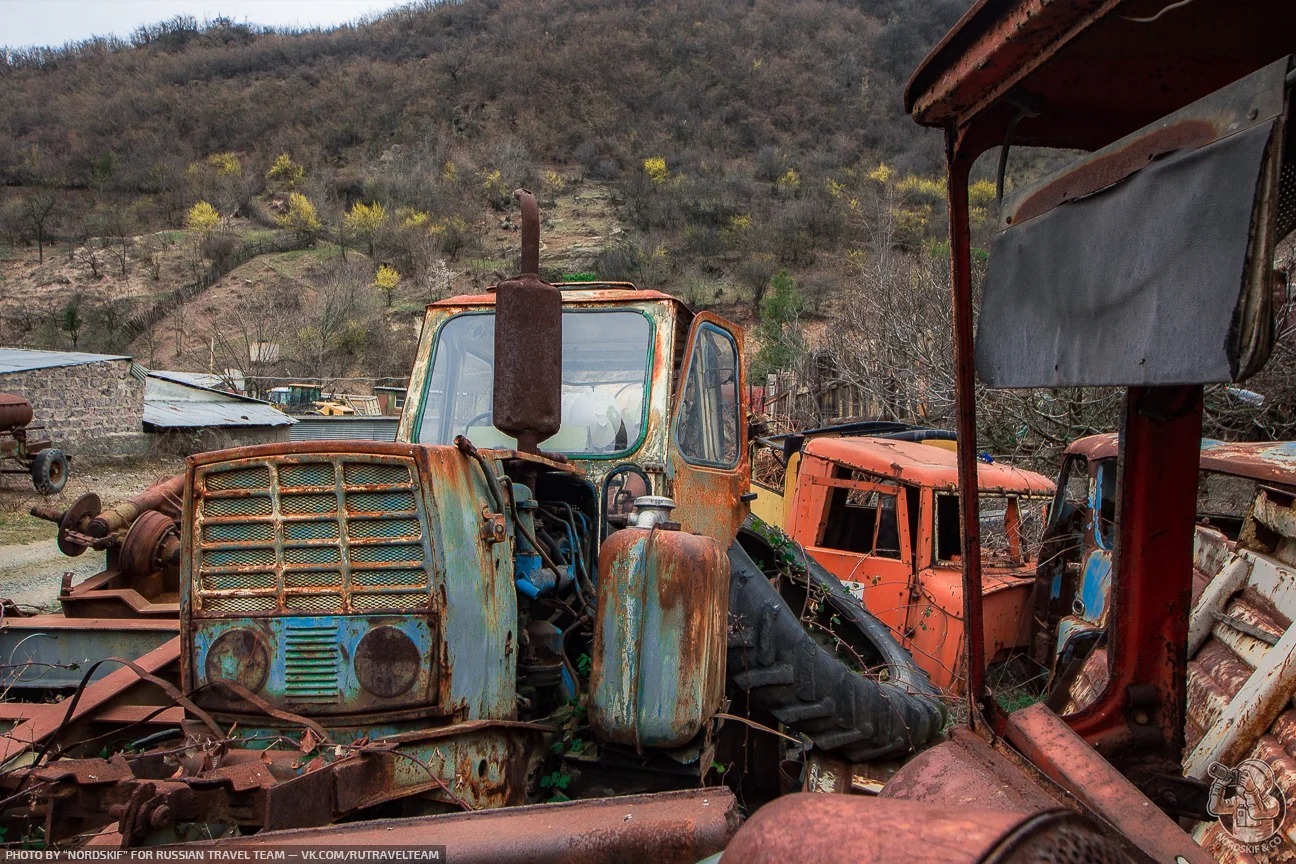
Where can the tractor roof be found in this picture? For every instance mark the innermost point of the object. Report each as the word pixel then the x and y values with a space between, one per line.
pixel 1083 73
pixel 573 294
pixel 924 465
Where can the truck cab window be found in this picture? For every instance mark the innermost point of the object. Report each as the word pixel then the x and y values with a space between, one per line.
pixel 708 421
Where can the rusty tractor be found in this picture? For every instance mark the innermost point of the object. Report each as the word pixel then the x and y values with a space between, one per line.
pixel 542 591
pixel 37 457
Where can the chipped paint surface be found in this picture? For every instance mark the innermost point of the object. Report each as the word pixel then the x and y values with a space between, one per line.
pixel 659 653
pixel 301 551
pixel 909 588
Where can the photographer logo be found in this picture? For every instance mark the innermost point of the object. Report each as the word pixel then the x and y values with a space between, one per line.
pixel 1249 804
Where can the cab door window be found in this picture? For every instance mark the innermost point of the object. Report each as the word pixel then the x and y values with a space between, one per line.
pixel 707 429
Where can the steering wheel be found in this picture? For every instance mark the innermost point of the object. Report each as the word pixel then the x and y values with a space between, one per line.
pixel 485 415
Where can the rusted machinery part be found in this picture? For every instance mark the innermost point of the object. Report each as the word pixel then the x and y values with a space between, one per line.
pixel 530 231
pixel 664 828
pixel 836 829
pixel 784 671
pixel 165 497
pixel 527 400
pixel 897 663
pixel 72 522
pixel 15 412
pixel 152 542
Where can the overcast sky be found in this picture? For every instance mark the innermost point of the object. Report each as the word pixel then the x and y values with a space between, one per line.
pixel 53 22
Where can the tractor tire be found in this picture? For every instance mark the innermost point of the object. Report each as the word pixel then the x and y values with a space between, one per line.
pixel 49 471
pixel 783 670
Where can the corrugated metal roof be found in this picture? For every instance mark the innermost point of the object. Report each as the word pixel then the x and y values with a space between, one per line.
pixel 344 429
pixel 184 414
pixel 27 359
pixel 192 379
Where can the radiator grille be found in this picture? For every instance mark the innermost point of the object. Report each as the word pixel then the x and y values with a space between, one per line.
pixel 311 663
pixel 335 535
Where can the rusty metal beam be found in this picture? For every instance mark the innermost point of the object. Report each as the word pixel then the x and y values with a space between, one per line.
pixel 947 90
pixel 1044 739
pixel 965 409
pixel 1144 703
pixel 665 828
pixel 44 720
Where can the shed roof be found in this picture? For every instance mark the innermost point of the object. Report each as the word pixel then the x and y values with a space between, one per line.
pixel 924 465
pixel 185 414
pixel 221 409
pixel 192 379
pixel 28 359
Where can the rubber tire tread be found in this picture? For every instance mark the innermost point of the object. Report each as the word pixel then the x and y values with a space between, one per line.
pixel 42 471
pixel 784 671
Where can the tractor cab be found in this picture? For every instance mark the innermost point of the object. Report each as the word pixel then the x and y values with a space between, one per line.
pixel 651 398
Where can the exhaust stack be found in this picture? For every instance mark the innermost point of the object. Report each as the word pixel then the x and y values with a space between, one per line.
pixel 528 344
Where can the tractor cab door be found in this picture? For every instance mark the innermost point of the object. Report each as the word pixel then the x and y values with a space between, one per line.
pixel 707 462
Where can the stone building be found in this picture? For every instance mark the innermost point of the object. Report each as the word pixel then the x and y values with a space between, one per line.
pixel 91 404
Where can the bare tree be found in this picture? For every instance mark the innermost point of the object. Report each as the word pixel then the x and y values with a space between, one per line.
pixel 336 322
pixel 36 213
pixel 252 338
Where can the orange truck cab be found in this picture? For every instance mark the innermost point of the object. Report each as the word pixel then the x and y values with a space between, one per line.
pixel 882 516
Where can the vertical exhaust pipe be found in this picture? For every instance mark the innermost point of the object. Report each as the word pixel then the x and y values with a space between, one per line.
pixel 528 344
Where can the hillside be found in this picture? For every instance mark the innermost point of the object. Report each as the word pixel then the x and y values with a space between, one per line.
pixel 198 191
pixel 701 145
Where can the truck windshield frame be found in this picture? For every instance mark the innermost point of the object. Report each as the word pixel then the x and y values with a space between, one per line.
pixel 607 368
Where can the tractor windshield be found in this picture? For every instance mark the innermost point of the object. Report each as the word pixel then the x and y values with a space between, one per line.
pixel 606 363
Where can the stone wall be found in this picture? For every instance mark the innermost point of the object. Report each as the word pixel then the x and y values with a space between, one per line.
pixel 93 409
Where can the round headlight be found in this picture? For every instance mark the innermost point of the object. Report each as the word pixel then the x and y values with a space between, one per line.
pixel 239 655
pixel 387 662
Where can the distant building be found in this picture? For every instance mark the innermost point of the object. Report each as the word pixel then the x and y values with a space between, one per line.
pixel 91 404
pixel 391 400
pixel 190 417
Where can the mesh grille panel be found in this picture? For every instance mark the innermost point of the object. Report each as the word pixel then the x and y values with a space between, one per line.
pixel 381 602
pixel 313 603
pixel 244 478
pixel 1286 211
pixel 238 558
pixel 1070 840
pixel 370 474
pixel 379 502
pixel 239 582
pixel 299 504
pixel 311 474
pixel 313 579
pixel 239 605
pixel 372 529
pixel 241 533
pixel 258 506
pixel 313 555
pixel 268 538
pixel 310 530
pixel 388 578
pixel 387 554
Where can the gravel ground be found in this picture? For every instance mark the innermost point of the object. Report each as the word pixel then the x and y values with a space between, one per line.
pixel 31 566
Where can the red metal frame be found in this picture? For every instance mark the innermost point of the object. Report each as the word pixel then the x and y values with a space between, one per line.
pixel 1147 633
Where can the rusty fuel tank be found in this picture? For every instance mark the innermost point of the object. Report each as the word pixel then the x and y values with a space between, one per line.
pixel 15 412
pixel 659 646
